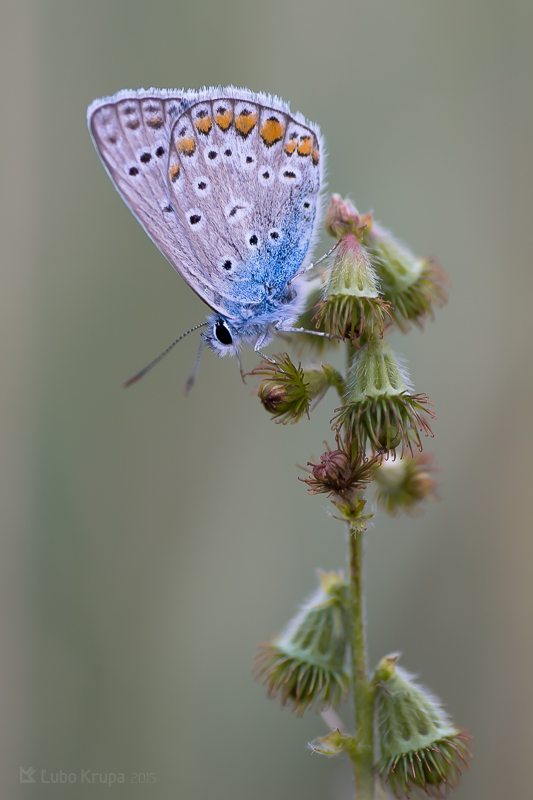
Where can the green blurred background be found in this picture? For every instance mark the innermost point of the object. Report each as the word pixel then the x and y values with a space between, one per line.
pixel 150 540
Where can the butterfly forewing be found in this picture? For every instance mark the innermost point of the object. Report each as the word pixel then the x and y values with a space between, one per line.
pixel 132 136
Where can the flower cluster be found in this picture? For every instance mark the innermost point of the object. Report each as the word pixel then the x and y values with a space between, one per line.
pixel 373 285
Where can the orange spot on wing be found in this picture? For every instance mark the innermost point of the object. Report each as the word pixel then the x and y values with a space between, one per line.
pixel 174 172
pixel 224 118
pixel 246 122
pixel 305 146
pixel 315 156
pixel 271 131
pixel 186 145
pixel 290 147
pixel 203 125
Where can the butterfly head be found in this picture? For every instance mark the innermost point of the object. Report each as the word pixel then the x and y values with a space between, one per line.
pixel 221 337
pixel 227 337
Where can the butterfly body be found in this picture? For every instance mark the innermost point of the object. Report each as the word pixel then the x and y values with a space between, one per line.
pixel 226 182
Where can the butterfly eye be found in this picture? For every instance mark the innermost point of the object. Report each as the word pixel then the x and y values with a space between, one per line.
pixel 222 333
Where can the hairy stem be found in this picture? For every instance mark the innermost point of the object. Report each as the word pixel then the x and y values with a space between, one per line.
pixel 363 691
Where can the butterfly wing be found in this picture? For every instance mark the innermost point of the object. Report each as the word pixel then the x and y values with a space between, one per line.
pixel 226 183
pixel 131 132
pixel 245 177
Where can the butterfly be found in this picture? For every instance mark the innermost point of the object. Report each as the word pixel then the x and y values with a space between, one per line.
pixel 227 183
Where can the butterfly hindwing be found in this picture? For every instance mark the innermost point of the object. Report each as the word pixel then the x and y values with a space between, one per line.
pixel 245 180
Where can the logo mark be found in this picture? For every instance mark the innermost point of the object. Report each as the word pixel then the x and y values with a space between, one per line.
pixel 26 775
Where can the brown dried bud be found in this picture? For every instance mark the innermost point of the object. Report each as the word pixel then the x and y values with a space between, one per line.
pixel 341 472
pixel 332 468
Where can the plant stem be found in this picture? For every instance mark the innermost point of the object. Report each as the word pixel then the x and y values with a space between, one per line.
pixel 363 691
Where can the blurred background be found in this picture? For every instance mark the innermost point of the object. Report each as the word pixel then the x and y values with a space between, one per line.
pixel 151 540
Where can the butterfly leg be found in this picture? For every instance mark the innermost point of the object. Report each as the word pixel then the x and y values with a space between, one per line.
pixel 259 343
pixel 239 361
pixel 305 330
pixel 264 356
pixel 320 260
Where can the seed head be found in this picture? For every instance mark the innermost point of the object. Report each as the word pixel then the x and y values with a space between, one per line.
pixel 380 410
pixel 351 305
pixel 306 664
pixel 422 752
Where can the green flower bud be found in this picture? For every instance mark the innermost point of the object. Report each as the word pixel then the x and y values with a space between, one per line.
pixel 306 664
pixel 402 485
pixel 413 285
pixel 352 304
pixel 284 392
pixel 379 409
pixel 287 390
pixel 421 749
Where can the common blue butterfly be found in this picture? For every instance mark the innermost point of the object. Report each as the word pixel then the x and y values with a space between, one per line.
pixel 226 182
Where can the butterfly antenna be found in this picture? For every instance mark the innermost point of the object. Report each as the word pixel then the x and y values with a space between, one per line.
pixel 194 371
pixel 140 374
